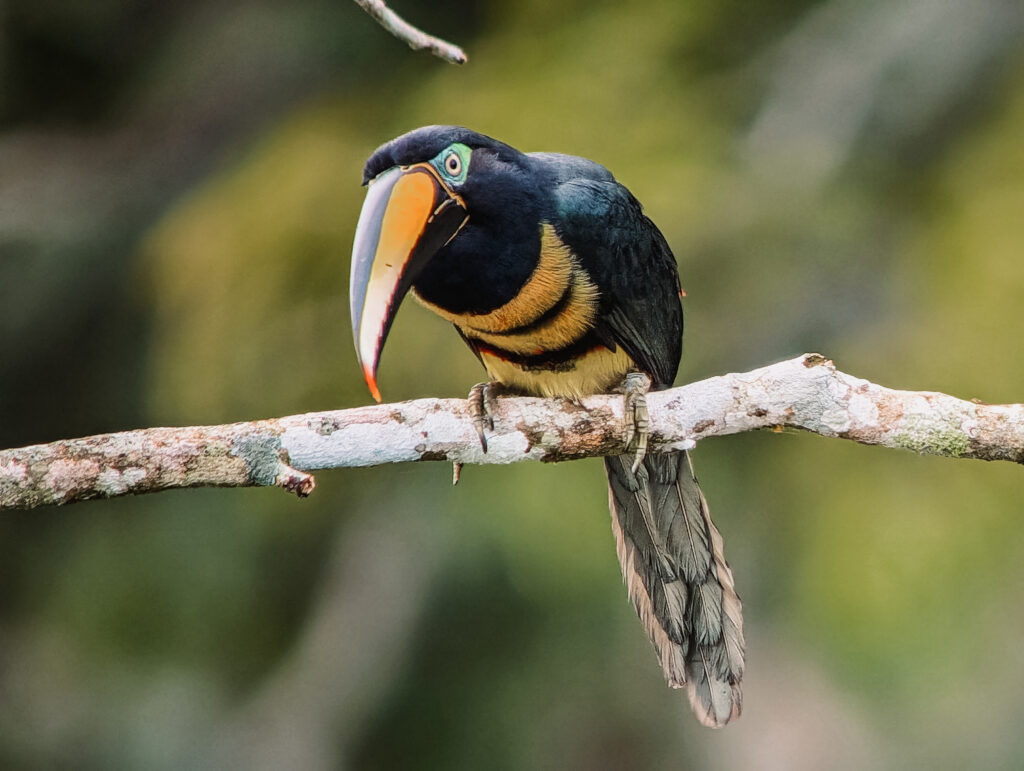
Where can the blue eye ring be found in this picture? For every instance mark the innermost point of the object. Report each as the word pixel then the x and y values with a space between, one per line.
pixel 453 164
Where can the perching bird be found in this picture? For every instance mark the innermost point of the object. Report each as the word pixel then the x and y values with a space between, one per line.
pixel 561 286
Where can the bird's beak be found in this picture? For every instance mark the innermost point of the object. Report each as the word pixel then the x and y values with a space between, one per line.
pixel 408 215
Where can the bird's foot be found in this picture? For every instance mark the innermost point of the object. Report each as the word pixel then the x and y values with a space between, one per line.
pixel 638 421
pixel 482 398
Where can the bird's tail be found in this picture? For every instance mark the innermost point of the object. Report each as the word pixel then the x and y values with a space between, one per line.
pixel 676 575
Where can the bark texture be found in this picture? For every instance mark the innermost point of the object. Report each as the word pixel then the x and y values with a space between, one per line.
pixel 807 392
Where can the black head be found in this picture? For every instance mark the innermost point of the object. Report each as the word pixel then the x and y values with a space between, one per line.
pixel 496 178
pixel 452 212
pixel 425 143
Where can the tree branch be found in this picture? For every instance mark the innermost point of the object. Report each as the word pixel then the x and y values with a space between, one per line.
pixel 416 39
pixel 807 393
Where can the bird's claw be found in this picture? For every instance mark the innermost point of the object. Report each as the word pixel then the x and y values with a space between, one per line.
pixel 638 420
pixel 482 398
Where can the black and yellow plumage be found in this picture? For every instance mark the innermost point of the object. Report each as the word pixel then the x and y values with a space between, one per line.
pixel 560 284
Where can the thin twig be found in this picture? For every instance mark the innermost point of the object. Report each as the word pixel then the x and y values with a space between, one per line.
pixel 806 393
pixel 415 38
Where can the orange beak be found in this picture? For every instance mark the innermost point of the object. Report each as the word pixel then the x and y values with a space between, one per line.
pixel 408 215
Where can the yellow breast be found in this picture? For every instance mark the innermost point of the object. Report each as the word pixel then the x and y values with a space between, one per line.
pixel 554 309
pixel 595 372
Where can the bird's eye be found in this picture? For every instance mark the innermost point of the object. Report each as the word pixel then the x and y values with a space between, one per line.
pixel 453 164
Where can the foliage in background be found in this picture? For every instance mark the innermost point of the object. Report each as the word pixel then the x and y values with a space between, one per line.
pixel 174 237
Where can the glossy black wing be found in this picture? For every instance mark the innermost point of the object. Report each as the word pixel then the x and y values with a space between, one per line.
pixel 628 259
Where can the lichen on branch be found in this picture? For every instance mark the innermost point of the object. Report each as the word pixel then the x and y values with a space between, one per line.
pixel 807 393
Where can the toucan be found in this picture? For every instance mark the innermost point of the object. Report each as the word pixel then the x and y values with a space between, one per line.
pixel 562 287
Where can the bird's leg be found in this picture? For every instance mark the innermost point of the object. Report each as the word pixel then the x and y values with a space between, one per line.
pixel 482 398
pixel 638 422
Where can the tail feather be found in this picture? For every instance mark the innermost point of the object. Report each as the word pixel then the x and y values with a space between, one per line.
pixel 675 571
pixel 671 652
pixel 714 700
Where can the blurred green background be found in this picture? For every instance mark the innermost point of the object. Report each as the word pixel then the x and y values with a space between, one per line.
pixel 179 183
